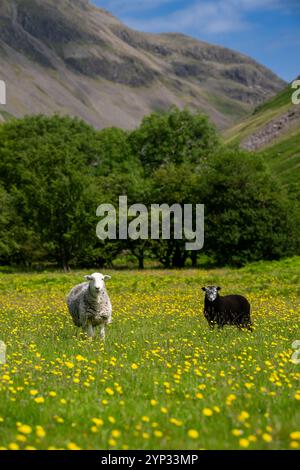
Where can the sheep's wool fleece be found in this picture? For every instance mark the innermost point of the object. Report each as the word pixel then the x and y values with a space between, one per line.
pixel 83 306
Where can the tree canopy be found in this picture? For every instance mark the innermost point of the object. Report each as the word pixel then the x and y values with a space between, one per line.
pixel 55 172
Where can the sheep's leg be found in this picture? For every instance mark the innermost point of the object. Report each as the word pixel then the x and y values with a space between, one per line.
pixel 102 332
pixel 89 329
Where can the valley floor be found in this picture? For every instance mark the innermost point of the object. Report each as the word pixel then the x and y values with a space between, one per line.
pixel 163 379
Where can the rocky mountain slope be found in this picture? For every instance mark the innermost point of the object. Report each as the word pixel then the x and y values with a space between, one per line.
pixel 73 58
pixel 273 128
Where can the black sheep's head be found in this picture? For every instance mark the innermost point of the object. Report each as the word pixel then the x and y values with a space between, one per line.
pixel 211 292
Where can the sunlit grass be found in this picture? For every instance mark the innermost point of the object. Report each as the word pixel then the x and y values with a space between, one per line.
pixel 163 380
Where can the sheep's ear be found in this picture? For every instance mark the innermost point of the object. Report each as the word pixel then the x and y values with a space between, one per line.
pixel 107 277
pixel 88 278
pixel 204 289
pixel 219 288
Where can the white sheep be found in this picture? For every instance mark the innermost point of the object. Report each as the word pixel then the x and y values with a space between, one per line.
pixel 89 304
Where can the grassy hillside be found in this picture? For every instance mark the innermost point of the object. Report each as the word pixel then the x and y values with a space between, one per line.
pixel 164 380
pixel 274 128
pixel 5 116
pixel 284 158
pixel 261 116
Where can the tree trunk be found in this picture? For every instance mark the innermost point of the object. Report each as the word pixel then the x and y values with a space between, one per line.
pixel 64 260
pixel 141 262
pixel 66 266
pixel 194 258
pixel 179 257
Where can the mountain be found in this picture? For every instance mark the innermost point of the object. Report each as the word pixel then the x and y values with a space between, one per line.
pixel 273 128
pixel 73 58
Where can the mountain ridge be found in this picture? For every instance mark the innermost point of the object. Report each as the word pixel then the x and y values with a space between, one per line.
pixel 75 58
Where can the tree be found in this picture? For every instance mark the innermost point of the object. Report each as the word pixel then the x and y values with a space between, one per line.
pixel 55 172
pixel 114 153
pixel 173 137
pixel 46 166
pixel 173 184
pixel 8 244
pixel 248 216
pixel 130 183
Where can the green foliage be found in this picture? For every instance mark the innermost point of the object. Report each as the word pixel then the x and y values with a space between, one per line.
pixel 55 172
pixel 114 153
pixel 8 243
pixel 248 216
pixel 173 137
pixel 180 184
pixel 45 164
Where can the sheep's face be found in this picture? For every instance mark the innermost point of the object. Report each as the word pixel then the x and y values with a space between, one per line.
pixel 211 292
pixel 97 282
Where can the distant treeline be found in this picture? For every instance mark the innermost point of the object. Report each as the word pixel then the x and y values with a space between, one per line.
pixel 56 171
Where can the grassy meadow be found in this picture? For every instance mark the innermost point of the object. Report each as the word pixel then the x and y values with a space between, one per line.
pixel 163 380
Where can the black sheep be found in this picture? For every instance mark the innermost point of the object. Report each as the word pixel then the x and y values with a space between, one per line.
pixel 226 310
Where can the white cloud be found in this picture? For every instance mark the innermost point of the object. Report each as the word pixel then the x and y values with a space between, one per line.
pixel 200 17
pixel 131 6
pixel 210 17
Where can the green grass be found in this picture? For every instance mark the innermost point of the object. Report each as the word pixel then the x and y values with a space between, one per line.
pixel 261 116
pixel 228 106
pixel 283 153
pixel 161 370
pixel 6 115
pixel 284 158
pixel 282 99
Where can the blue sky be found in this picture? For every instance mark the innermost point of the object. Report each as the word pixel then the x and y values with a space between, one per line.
pixel 267 30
